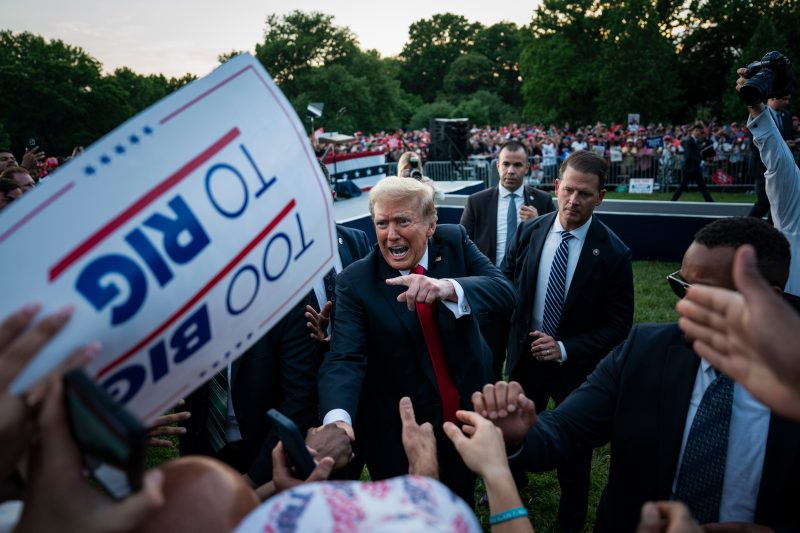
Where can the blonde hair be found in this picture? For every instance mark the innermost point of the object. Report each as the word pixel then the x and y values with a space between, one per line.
pixel 394 188
pixel 405 161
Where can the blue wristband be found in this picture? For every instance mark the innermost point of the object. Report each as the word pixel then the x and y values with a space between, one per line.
pixel 505 516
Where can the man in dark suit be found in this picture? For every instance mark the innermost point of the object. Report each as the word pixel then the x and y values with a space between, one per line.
pixel 575 302
pixel 278 371
pixel 678 429
pixel 692 170
pixel 382 350
pixel 491 217
pixel 487 217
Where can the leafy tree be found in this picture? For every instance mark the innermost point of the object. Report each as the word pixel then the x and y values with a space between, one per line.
pixel 485 108
pixel 468 74
pixel 222 58
pixel 295 43
pixel 424 113
pixel 432 46
pixel 502 44
pixel 47 89
pixel 637 66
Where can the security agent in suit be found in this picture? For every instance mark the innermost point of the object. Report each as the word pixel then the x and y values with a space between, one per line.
pixel 279 371
pixel 692 170
pixel 383 350
pixel 645 397
pixel 570 310
pixel 491 219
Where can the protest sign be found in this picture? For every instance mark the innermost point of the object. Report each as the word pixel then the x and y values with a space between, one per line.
pixel 641 185
pixel 180 237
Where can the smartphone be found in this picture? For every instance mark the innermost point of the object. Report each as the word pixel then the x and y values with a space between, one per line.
pixel 293 442
pixel 32 142
pixel 110 439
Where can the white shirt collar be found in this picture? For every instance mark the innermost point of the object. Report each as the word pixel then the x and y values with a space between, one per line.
pixel 579 233
pixel 505 192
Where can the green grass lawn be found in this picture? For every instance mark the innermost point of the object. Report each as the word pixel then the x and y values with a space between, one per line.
pixel 654 302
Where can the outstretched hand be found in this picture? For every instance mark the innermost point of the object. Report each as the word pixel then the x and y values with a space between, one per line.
pixel 318 322
pixel 419 442
pixel 751 336
pixel 479 443
pixel 423 289
pixel 506 405
pixel 283 477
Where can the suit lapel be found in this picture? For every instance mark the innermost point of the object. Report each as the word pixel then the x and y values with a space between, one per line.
pixel 678 376
pixel 491 222
pixel 344 250
pixel 534 255
pixel 591 255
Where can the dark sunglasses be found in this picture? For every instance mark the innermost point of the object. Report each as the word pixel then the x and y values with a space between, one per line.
pixel 678 284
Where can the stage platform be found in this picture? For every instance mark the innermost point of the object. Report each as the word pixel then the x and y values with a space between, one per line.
pixel 652 229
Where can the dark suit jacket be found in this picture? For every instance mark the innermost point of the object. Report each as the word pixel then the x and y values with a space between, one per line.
pixel 353 244
pixel 480 216
pixel 279 371
pixel 637 399
pixel 378 353
pixel 598 308
pixel 691 156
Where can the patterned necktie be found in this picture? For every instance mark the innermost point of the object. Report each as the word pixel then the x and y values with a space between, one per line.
pixel 217 419
pixel 330 291
pixel 511 218
pixel 554 298
pixel 433 340
pixel 703 468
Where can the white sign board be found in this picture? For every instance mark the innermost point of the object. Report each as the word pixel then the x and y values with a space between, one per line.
pixel 640 185
pixel 181 237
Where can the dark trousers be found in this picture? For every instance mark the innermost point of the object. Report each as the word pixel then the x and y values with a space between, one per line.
pixel 541 381
pixel 687 178
pixel 761 206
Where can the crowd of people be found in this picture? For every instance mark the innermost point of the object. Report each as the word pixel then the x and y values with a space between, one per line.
pixel 431 359
pixel 650 151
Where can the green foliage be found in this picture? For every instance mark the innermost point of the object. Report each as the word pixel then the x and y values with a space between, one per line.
pixel 433 45
pixel 590 59
pixel 424 113
pixel 502 44
pixel 468 73
pixel 298 42
pixel 484 107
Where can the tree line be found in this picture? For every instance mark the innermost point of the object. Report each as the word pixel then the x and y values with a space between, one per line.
pixel 576 61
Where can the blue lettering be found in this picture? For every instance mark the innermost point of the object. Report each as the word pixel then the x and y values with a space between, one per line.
pixel 192 335
pixel 125 383
pixel 282 237
pixel 254 272
pixel 90 285
pixel 139 241
pixel 233 213
pixel 174 228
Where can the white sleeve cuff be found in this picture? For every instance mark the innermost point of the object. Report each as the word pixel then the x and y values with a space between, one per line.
pixel 337 415
pixel 461 307
pixel 563 352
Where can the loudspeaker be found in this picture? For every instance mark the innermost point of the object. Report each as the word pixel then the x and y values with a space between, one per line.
pixel 448 139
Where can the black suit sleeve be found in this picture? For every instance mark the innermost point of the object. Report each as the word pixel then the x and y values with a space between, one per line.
pixel 468 218
pixel 485 288
pixel 344 367
pixel 297 365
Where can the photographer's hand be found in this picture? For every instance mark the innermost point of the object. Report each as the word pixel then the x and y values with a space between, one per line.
pixel 756 109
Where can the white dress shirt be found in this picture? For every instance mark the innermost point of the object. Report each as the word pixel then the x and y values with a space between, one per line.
pixel 551 244
pixel 747 444
pixel 503 198
pixel 459 308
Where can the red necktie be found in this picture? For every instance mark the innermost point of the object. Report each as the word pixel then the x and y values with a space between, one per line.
pixel 430 329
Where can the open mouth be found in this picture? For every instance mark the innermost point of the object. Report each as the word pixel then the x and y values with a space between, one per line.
pixel 398 252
